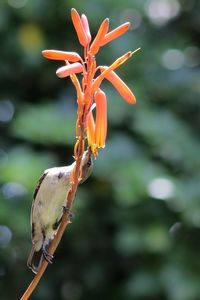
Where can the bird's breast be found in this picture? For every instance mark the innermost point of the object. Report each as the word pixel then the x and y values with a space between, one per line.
pixel 50 200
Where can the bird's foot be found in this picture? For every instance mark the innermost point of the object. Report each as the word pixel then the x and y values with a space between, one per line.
pixel 68 211
pixel 47 256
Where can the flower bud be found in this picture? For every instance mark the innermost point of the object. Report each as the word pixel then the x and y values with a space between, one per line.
pixel 120 86
pixel 101 118
pixel 61 55
pixel 82 36
pixel 115 33
pixel 69 69
pixel 99 37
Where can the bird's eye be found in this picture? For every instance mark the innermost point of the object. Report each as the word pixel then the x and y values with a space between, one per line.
pixel 60 175
pixel 89 162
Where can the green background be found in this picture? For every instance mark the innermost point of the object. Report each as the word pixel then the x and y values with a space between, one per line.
pixel 136 229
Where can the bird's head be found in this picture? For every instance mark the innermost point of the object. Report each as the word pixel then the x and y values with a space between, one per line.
pixel 87 165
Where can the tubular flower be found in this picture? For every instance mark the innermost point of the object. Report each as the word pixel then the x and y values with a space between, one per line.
pixel 120 86
pixel 79 27
pixel 69 69
pixel 86 27
pixel 88 88
pixel 61 55
pixel 101 118
pixel 91 130
pixel 115 33
pixel 103 29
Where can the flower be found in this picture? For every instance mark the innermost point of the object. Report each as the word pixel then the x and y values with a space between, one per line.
pixel 88 89
pixel 120 86
pixel 101 118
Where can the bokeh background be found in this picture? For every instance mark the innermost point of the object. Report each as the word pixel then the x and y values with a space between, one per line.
pixel 136 226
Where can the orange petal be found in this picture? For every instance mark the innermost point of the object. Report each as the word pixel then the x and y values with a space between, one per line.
pixel 91 129
pixel 85 24
pixel 101 118
pixel 61 55
pixel 115 33
pixel 120 86
pixel 103 29
pixel 82 36
pixel 69 69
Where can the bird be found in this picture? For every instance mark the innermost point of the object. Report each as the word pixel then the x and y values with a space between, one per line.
pixel 49 204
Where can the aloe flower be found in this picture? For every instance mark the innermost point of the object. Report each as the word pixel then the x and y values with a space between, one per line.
pixel 90 96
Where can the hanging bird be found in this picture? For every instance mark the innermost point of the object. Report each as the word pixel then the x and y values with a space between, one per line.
pixel 49 203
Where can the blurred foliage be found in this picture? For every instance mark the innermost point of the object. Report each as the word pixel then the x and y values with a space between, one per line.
pixel 136 230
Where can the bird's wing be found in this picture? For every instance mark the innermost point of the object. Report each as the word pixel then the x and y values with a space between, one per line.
pixel 34 197
pixel 39 184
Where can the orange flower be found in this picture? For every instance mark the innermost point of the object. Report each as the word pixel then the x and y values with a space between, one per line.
pixel 118 62
pixel 91 129
pixel 120 86
pixel 99 37
pixel 69 69
pixel 78 25
pixel 101 118
pixel 115 33
pixel 86 27
pixel 87 89
pixel 61 55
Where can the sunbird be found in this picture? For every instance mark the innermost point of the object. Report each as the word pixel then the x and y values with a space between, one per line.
pixel 49 203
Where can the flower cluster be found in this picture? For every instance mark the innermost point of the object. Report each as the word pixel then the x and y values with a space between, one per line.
pixel 89 93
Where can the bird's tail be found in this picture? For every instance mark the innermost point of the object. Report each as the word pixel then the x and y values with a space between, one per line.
pixel 35 259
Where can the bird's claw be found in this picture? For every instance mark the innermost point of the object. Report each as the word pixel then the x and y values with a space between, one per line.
pixel 68 211
pixel 47 256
